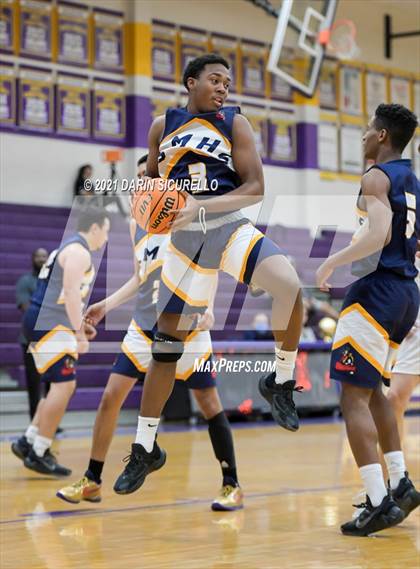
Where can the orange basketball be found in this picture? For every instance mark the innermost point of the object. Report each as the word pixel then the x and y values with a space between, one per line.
pixel 153 205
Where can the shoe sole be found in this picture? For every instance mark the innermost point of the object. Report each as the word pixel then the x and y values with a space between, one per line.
pixel 155 466
pixel 385 524
pixel 63 497
pixel 216 507
pixel 16 451
pixel 268 396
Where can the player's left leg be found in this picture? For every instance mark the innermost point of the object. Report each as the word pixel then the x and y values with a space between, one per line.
pixel 402 489
pixel 208 400
pixel 23 445
pixel 399 395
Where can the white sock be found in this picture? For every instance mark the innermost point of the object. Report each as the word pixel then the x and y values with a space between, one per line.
pixel 395 464
pixel 146 432
pixel 285 365
pixel 374 482
pixel 41 444
pixel 30 434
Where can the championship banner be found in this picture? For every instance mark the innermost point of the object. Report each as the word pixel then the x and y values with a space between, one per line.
pixel 376 90
pixel 351 156
pixel 227 47
pixel 254 56
pixel 7 28
pixel 328 146
pixel 36 99
pixel 73 105
pixel 400 91
pixel 257 117
pixel 164 51
pixel 194 43
pixel 108 40
pixel 282 139
pixel 35 28
pixel 7 96
pixel 350 90
pixel 73 33
pixel 280 90
pixel 328 85
pixel 161 100
pixel 109 110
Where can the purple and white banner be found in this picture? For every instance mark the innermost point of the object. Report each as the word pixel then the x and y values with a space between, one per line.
pixel 328 85
pixel 7 29
pixel 257 117
pixel 164 48
pixel 400 91
pixel 351 90
pixel 253 76
pixel 280 90
pixel 36 99
pixel 109 116
pixel 161 100
pixel 73 105
pixel 7 96
pixel 73 33
pixel 108 40
pixel 283 146
pixel 193 44
pixel 35 28
pixel 376 90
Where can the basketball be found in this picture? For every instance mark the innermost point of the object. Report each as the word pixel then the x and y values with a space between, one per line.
pixel 153 205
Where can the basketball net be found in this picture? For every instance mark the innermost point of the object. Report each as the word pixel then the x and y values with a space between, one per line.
pixel 340 40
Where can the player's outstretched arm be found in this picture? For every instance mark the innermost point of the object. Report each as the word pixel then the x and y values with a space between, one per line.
pixel 97 311
pixel 375 188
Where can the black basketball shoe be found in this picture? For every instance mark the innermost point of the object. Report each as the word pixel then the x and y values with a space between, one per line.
pixel 46 464
pixel 140 464
pixel 280 397
pixel 406 496
pixel 371 519
pixel 21 448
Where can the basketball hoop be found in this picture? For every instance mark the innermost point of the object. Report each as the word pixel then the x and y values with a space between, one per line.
pixel 340 40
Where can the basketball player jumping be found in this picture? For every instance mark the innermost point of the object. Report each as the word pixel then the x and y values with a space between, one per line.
pixel 378 311
pixel 54 325
pixel 131 365
pixel 215 145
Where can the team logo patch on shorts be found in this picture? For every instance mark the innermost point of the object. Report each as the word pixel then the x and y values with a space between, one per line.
pixel 68 367
pixel 346 363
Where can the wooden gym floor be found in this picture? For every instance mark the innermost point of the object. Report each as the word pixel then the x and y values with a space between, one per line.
pixel 298 488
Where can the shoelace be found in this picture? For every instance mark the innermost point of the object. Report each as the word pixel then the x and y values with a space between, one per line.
pixel 132 459
pixel 226 490
pixel 80 483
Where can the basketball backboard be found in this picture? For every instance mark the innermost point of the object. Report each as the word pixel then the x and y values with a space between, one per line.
pixel 299 26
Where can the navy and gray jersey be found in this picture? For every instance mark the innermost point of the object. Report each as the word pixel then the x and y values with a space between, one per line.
pixel 197 150
pixel 149 250
pixel 47 308
pixel 398 256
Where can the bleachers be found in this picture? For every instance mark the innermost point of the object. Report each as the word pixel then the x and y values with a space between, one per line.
pixel 24 228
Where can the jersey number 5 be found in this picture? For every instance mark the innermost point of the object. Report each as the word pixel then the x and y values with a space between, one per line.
pixel 411 214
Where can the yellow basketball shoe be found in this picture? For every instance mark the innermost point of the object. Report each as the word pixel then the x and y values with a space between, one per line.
pixel 84 489
pixel 229 499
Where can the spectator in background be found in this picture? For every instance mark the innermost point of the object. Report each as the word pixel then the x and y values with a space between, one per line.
pixel 80 187
pixel 25 287
pixel 315 313
pixel 260 328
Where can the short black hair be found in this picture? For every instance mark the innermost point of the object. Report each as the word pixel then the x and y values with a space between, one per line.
pixel 142 160
pixel 399 121
pixel 89 216
pixel 196 66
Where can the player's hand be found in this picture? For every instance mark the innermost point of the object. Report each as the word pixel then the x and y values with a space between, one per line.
pixel 323 274
pixel 90 331
pixel 186 214
pixel 95 313
pixel 82 343
pixel 205 321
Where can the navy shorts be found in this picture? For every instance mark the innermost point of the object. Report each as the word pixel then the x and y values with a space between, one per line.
pixel 378 312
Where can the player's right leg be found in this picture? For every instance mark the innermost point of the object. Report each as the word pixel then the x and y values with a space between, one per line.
pixel 399 395
pixel 89 486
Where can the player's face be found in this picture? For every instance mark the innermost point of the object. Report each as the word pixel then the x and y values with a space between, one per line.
pixel 100 234
pixel 211 88
pixel 371 140
pixel 141 170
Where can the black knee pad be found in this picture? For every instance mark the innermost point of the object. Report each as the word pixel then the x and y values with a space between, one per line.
pixel 166 348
